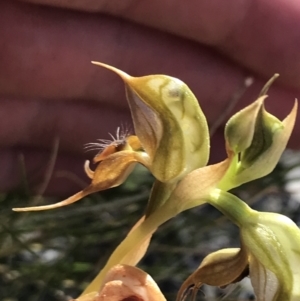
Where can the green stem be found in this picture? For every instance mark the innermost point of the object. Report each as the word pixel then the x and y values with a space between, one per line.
pixel 131 241
pixel 229 179
pixel 231 206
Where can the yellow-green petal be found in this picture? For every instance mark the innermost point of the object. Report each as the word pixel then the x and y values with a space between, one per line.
pixel 168 122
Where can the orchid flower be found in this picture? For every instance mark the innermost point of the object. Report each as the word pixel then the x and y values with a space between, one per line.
pixel 269 254
pixel 172 140
pixel 255 138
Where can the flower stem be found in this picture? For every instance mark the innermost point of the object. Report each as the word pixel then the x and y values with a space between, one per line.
pixel 131 241
pixel 231 206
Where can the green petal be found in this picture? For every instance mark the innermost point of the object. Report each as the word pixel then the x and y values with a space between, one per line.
pixel 239 129
pixel 273 241
pixel 271 141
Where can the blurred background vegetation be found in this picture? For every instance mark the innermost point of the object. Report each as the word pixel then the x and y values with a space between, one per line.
pixel 53 255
